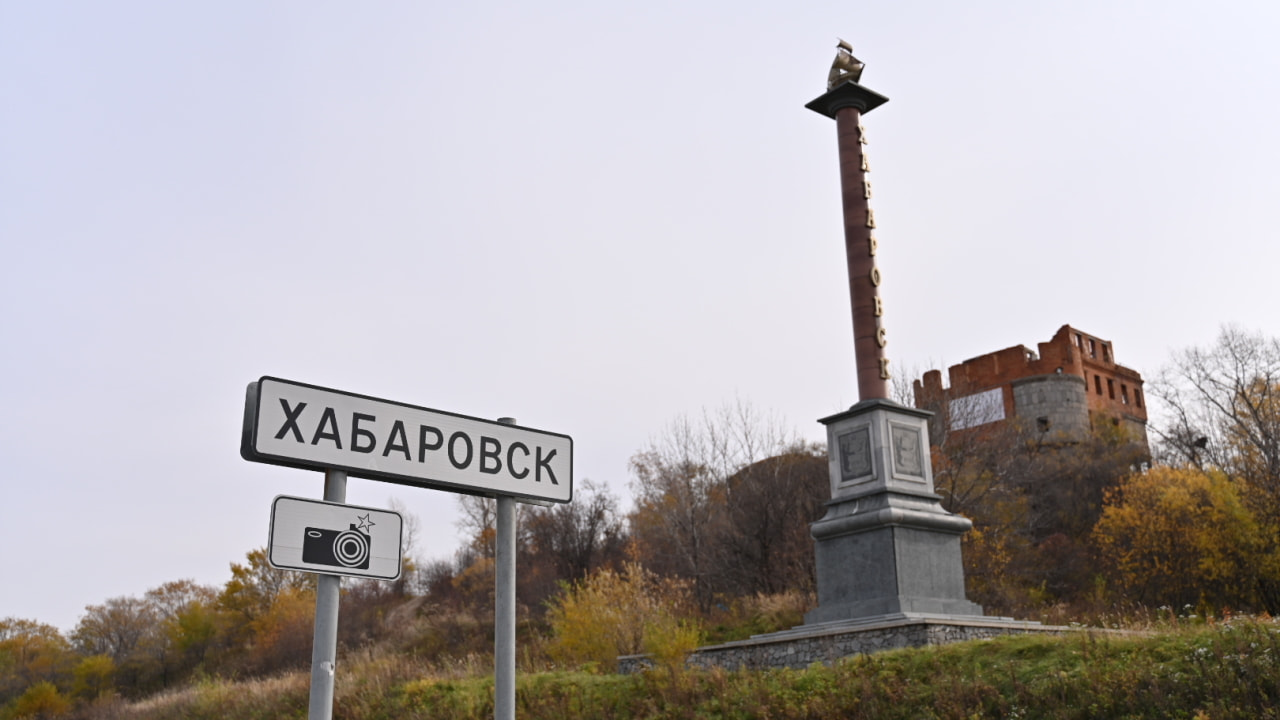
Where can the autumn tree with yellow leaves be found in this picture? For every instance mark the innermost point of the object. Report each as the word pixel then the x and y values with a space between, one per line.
pixel 1220 410
pixel 1183 536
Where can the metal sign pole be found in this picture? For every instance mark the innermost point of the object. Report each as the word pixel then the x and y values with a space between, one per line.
pixel 504 611
pixel 324 644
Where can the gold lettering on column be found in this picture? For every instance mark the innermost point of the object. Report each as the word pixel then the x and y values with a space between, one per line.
pixel 884 368
pixel 866 164
pixel 866 189
pixel 871 218
pixel 880 338
pixel 875 276
pixel 862 134
pixel 879 307
pixel 872 245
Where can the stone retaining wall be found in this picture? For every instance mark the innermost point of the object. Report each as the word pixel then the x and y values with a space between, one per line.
pixel 802 646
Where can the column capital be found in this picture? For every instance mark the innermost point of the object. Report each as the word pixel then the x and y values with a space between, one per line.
pixel 847 95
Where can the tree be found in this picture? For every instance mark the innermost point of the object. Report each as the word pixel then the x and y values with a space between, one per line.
pixel 473 582
pixel 128 630
pixel 1183 536
pixel 195 630
pixel 1222 408
pixel 764 545
pixel 409 548
pixel 282 635
pixel 675 511
pixel 566 541
pixel 254 586
pixel 257 613
pixel 479 523
pixel 686 506
pixel 171 599
pixel 92 677
pixel 173 606
pixel 30 653
pixel 115 628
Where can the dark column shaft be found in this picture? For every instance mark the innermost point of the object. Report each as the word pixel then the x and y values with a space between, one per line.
pixel 859 244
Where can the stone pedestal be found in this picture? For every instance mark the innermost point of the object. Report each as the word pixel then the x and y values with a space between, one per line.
pixel 886 547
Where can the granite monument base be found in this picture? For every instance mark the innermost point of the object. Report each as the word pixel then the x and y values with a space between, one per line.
pixel 885 547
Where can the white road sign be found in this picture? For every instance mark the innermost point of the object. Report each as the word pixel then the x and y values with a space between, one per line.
pixel 324 537
pixel 298 425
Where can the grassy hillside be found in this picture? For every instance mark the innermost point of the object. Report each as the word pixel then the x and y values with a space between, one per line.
pixel 1218 670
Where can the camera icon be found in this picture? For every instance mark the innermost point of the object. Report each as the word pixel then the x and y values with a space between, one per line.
pixel 339 548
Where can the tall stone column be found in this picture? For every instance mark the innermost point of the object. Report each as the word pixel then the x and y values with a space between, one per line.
pixel 869 334
pixel 885 548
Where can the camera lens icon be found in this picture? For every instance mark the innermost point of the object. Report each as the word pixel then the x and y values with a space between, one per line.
pixel 338 548
pixel 351 548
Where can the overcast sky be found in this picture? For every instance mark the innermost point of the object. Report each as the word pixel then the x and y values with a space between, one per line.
pixel 591 216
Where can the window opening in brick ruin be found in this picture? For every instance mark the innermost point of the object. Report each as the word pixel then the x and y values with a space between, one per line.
pixel 1097 383
pixel 1137 397
pixel 1093 349
pixel 1124 393
pixel 1111 389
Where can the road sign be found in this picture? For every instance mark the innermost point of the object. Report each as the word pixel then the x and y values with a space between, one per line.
pixel 298 425
pixel 335 539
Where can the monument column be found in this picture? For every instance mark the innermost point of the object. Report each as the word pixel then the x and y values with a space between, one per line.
pixel 869 334
pixel 886 548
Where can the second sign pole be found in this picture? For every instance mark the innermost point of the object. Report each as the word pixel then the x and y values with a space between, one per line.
pixel 504 610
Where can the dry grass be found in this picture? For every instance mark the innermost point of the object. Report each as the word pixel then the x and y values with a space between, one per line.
pixel 210 697
pixel 1174 666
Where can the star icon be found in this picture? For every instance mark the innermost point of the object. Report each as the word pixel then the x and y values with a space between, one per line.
pixel 365 523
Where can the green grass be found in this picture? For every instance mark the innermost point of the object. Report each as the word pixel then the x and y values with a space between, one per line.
pixel 1220 671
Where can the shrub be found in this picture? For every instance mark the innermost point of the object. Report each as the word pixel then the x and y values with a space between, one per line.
pixel 41 700
pixel 608 614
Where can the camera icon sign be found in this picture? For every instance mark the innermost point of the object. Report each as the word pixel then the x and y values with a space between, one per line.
pixel 335 539
pixel 337 548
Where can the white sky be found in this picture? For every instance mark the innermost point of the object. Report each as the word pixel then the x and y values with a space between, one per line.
pixel 589 216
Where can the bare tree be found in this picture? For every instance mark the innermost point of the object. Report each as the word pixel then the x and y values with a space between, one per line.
pixel 1222 408
pixel 577 537
pixel 172 598
pixel 674 484
pixel 565 542
pixel 764 546
pixel 114 628
pixel 682 495
pixel 409 530
pixel 479 523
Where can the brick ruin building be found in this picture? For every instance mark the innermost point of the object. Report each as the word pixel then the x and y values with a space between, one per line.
pixel 1063 389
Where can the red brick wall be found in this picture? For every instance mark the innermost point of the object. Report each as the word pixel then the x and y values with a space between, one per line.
pixel 1070 351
